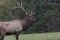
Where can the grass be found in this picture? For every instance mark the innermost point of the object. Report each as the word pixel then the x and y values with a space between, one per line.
pixel 41 36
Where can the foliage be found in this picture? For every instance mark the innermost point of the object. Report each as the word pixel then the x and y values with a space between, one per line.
pixel 47 12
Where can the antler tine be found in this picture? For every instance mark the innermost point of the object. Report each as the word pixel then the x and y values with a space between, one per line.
pixel 21 4
pixel 18 5
pixel 21 7
pixel 27 13
pixel 31 13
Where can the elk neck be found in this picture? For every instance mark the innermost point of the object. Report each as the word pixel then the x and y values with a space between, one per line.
pixel 25 22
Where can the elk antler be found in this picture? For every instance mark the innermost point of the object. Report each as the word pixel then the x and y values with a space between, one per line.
pixel 20 6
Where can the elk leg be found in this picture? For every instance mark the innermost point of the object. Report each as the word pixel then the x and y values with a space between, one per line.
pixel 2 37
pixel 2 31
pixel 17 35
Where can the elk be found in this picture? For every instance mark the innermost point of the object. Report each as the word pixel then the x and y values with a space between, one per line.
pixel 17 25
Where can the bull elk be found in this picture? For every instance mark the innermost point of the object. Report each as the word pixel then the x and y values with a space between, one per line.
pixel 16 26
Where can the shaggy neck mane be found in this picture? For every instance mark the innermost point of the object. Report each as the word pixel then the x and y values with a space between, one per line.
pixel 25 22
